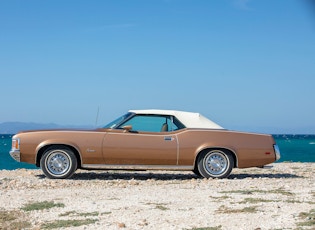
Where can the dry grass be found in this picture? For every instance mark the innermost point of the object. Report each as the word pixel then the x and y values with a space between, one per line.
pixel 74 213
pixel 224 209
pixel 255 200
pixel 308 217
pixel 13 220
pixel 68 223
pixel 220 197
pixel 249 192
pixel 41 206
pixel 207 228
pixel 160 206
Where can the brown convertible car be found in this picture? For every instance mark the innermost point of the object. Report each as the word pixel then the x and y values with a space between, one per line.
pixel 146 140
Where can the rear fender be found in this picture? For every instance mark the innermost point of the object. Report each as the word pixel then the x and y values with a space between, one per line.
pixel 207 148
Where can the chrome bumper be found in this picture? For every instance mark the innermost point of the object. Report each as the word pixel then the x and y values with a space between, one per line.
pixel 15 154
pixel 277 152
pixel 267 166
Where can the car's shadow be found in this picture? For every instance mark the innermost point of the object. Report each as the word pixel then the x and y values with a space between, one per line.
pixel 142 176
pixel 123 175
pixel 264 175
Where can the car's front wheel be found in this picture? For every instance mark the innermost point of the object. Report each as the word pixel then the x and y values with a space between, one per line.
pixel 215 163
pixel 58 162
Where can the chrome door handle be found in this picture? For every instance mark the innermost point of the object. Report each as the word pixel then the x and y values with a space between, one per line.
pixel 168 138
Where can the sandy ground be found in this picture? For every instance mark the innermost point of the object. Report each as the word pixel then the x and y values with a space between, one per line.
pixel 282 197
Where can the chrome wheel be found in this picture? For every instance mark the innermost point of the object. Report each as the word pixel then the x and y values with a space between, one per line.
pixel 216 163
pixel 58 162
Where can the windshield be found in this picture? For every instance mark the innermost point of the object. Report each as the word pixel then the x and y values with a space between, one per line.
pixel 116 122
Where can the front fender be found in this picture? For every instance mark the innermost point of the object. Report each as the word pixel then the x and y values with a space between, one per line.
pixel 41 147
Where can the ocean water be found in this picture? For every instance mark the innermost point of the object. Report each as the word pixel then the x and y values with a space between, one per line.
pixel 293 148
pixel 296 148
pixel 6 161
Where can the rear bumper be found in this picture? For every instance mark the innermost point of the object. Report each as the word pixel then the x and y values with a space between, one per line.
pixel 267 166
pixel 277 152
pixel 16 155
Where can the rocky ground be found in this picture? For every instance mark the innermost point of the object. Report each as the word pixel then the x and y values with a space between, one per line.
pixel 282 197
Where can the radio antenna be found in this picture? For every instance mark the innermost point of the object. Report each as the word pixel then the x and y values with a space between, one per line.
pixel 96 120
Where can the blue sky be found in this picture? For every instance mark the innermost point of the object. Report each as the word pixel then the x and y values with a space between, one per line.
pixel 246 64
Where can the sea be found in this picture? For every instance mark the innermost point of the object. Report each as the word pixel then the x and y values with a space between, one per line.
pixel 293 148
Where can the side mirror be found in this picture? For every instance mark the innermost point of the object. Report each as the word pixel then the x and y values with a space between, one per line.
pixel 127 128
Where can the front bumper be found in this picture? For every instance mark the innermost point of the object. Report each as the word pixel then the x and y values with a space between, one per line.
pixel 16 155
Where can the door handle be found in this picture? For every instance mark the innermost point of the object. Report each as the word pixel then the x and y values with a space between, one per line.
pixel 168 138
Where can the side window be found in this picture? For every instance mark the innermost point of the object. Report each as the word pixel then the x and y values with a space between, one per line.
pixel 153 123
pixel 148 123
pixel 175 124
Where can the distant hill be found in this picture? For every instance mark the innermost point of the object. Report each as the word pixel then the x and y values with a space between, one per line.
pixel 15 127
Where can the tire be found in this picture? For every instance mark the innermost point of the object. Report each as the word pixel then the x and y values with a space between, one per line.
pixel 196 172
pixel 215 163
pixel 58 162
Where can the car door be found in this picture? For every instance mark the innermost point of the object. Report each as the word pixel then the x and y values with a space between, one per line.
pixel 145 141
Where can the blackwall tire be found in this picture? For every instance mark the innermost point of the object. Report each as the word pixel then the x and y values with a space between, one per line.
pixel 58 162
pixel 215 163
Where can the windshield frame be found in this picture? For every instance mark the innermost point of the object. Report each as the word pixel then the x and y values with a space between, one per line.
pixel 118 121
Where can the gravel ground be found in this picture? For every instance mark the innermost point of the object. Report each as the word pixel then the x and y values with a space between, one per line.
pixel 282 197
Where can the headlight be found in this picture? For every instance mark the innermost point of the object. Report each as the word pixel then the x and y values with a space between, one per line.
pixel 15 143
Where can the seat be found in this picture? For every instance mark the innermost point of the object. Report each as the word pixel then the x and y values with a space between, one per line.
pixel 164 127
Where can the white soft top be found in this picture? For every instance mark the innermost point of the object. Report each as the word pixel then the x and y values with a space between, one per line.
pixel 189 119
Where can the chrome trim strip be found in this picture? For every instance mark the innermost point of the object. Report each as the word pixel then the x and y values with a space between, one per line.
pixel 139 167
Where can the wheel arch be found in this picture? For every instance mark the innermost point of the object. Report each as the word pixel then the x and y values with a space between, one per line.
pixel 42 149
pixel 232 152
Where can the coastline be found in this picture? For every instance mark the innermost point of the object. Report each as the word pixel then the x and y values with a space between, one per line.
pixel 282 197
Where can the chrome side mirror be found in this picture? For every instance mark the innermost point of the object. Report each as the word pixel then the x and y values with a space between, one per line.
pixel 127 128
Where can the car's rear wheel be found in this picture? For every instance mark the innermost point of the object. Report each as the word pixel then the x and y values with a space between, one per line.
pixel 215 163
pixel 58 162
